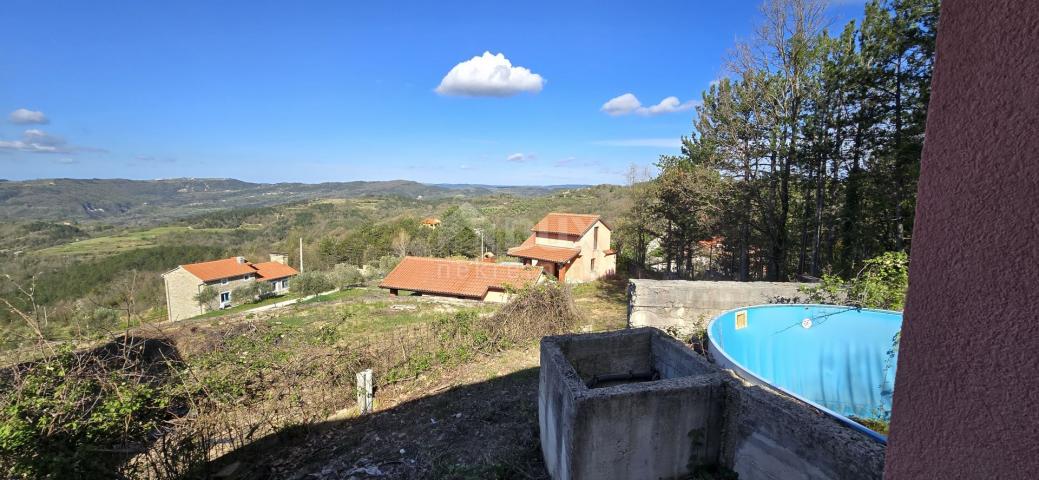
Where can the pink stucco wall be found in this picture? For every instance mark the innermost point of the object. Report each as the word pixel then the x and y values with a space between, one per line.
pixel 967 395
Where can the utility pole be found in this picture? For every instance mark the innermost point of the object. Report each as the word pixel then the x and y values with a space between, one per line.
pixel 300 254
pixel 479 231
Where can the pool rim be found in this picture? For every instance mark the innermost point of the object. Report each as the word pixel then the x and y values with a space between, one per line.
pixel 744 373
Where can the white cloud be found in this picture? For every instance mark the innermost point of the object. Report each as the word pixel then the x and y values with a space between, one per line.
pixel 671 142
pixel 36 141
pixel 489 76
pixel 24 116
pixel 521 157
pixel 628 104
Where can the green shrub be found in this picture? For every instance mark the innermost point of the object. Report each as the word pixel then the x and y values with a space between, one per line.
pixel 205 295
pixel 882 283
pixel 251 292
pixel 310 283
pixel 344 276
pixel 74 415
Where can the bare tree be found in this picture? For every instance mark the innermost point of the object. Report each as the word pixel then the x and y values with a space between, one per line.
pixel 401 242
pixel 784 53
pixel 637 222
pixel 33 315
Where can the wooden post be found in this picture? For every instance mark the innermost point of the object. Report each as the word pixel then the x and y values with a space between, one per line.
pixel 365 392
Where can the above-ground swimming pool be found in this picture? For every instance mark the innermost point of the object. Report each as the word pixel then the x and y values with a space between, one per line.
pixel 840 359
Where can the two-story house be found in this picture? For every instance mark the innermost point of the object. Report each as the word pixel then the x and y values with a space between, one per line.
pixel 572 247
pixel 185 282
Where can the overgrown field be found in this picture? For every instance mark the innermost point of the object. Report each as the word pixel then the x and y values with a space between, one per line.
pixel 94 278
pixel 188 399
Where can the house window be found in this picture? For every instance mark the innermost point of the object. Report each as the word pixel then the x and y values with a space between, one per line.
pixel 593 265
pixel 223 281
pixel 595 240
pixel 285 284
pixel 225 298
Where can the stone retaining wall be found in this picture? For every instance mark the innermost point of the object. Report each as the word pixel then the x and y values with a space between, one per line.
pixel 687 306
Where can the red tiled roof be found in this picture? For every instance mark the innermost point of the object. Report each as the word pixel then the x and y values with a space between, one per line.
pixel 545 252
pixel 566 223
pixel 274 270
pixel 456 277
pixel 231 267
pixel 217 269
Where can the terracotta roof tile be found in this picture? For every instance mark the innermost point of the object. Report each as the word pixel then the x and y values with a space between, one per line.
pixel 545 252
pixel 456 277
pixel 566 223
pixel 217 269
pixel 274 270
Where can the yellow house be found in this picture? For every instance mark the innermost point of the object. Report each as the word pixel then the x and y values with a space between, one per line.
pixel 573 247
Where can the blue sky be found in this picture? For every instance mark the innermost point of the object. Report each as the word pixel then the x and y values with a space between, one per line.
pixel 339 91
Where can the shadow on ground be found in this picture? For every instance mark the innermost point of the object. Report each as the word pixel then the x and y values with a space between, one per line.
pixel 482 430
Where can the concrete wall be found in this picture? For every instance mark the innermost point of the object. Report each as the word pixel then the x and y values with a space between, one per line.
pixel 769 435
pixel 694 416
pixel 689 305
pixel 181 288
pixel 967 402
pixel 636 430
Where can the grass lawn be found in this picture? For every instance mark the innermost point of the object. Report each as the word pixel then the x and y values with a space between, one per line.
pixel 248 306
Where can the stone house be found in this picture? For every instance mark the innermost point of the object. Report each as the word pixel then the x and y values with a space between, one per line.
pixel 185 282
pixel 572 247
pixel 441 277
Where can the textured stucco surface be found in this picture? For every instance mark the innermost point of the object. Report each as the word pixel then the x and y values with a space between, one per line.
pixel 967 394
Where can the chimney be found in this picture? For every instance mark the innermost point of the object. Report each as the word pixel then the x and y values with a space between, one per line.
pixel 280 258
pixel 240 259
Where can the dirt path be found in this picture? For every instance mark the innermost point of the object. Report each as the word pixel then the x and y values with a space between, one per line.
pixel 475 421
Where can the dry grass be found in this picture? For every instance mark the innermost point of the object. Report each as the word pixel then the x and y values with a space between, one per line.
pixel 255 384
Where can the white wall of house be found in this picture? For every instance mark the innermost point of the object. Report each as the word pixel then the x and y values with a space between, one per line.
pixel 280 286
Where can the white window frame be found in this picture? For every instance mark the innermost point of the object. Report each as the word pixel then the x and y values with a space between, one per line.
pixel 223 302
pixel 224 281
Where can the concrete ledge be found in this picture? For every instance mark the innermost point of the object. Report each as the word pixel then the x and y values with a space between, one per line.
pixel 684 415
pixel 687 306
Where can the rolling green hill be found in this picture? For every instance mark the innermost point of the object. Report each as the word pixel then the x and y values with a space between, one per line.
pixel 154 201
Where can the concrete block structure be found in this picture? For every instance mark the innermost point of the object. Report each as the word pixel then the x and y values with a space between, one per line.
pixel 687 306
pixel 639 404
pixel 572 247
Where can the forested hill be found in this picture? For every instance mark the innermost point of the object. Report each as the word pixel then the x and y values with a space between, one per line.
pixel 135 201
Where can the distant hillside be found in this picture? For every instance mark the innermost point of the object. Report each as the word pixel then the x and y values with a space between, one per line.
pixel 134 201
